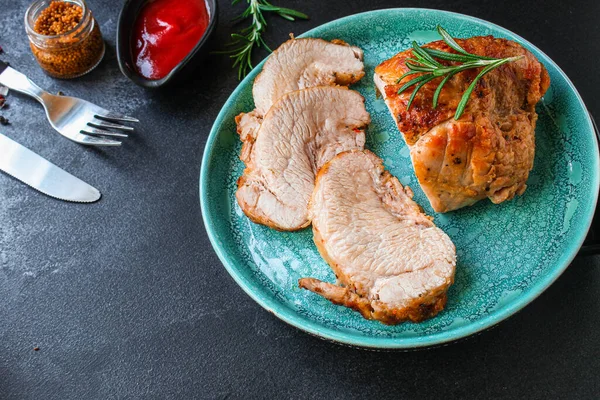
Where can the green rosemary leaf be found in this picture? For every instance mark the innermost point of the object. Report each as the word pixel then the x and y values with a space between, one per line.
pixel 249 60
pixel 421 53
pixel 261 42
pixel 442 55
pixel 462 67
pixel 419 86
pixel 421 68
pixel 285 16
pixel 268 7
pixel 404 75
pixel 240 38
pixel 422 61
pixel 413 81
pixel 293 13
pixel 425 62
pixel 436 95
pixel 412 60
pixel 452 43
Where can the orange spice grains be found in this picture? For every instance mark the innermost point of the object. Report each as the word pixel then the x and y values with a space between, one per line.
pixel 64 38
pixel 60 17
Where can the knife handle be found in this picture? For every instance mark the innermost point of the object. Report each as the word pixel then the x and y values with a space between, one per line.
pixel 15 80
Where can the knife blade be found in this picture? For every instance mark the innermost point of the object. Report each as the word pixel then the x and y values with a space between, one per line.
pixel 39 173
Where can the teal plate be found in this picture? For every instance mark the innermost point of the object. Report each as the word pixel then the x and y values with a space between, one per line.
pixel 507 254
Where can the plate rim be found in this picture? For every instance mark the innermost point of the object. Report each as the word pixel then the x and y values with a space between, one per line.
pixel 286 314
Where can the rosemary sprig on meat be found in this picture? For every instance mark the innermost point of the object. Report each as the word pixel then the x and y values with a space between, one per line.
pixel 244 42
pixel 426 64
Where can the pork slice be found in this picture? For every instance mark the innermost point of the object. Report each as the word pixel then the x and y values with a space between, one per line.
pixel 392 263
pixel 299 64
pixel 304 63
pixel 299 134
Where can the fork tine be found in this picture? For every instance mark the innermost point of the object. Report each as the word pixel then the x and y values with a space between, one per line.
pixel 96 141
pixel 94 131
pixel 110 115
pixel 109 125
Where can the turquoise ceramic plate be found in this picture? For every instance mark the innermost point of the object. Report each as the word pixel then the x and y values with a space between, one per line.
pixel 507 254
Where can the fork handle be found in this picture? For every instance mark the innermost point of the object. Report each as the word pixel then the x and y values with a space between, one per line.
pixel 15 80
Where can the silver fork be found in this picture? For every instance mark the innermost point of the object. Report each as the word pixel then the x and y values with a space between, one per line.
pixel 76 119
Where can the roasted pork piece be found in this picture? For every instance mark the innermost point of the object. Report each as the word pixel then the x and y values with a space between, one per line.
pixel 300 133
pixel 489 151
pixel 299 64
pixel 392 263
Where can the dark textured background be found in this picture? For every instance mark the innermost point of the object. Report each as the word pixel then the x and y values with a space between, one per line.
pixel 126 298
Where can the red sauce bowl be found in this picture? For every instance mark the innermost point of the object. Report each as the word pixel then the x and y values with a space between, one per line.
pixel 128 30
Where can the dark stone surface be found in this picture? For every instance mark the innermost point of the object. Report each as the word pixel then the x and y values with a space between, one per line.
pixel 126 298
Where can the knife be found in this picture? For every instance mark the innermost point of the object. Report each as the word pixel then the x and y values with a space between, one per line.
pixel 39 173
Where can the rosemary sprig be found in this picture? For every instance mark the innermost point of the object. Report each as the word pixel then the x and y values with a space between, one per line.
pixel 425 63
pixel 243 43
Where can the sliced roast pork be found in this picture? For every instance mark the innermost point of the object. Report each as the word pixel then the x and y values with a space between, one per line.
pixel 300 133
pixel 392 263
pixel 299 64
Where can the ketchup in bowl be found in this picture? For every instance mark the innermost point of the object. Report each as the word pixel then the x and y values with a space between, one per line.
pixel 164 33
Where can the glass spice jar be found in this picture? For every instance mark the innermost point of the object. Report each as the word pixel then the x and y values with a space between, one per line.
pixel 64 37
